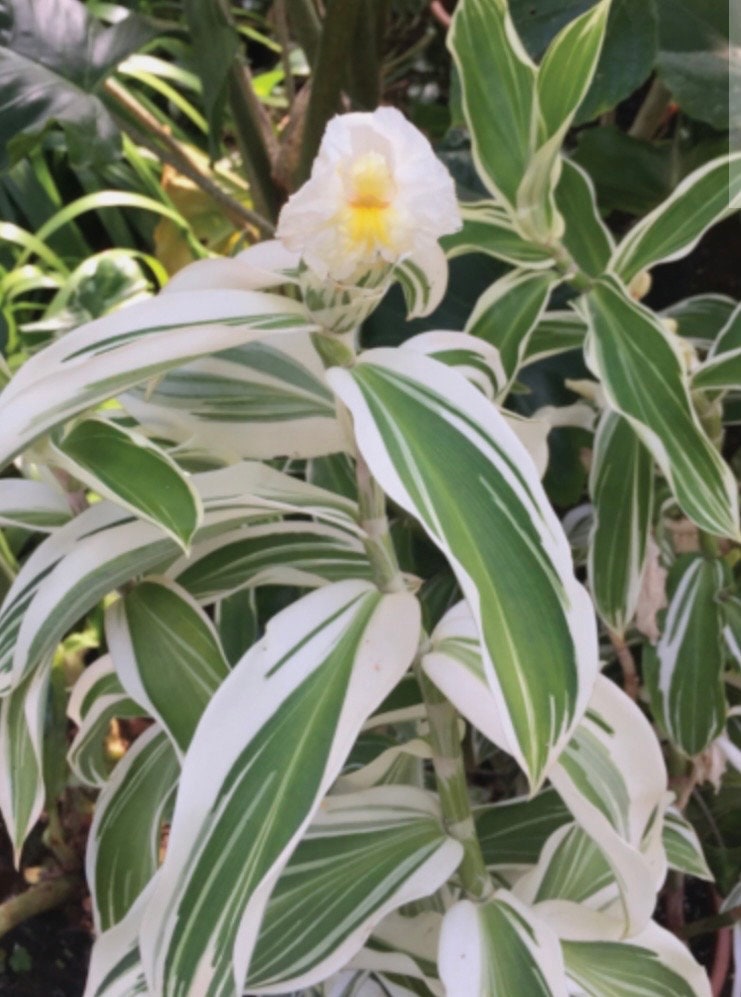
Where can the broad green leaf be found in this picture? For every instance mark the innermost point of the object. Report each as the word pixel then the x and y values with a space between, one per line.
pixel 324 664
pixel 641 373
pixel 654 963
pixel 364 855
pixel 585 236
pixel 444 453
pixel 213 61
pixel 262 400
pixel 104 547
pixel 22 794
pixel 111 354
pixel 685 669
pixel 673 229
pixel 167 655
pixel 54 56
pixel 506 314
pixel 556 332
pixel 127 468
pixel 125 838
pixel 498 82
pixel 487 228
pixel 683 849
pixel 499 948
pixel 702 318
pixel 621 486
pixel 97 698
pixel 32 505
pixel 728 339
pixel 697 62
pixel 513 832
pixel 282 553
pixel 628 52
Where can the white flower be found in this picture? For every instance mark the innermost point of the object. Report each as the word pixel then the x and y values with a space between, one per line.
pixel 377 192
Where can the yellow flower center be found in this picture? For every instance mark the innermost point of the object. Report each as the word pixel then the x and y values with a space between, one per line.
pixel 370 189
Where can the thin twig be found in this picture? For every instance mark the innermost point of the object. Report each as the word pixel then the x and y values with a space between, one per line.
pixel 626 660
pixel 281 30
pixel 170 151
pixel 43 896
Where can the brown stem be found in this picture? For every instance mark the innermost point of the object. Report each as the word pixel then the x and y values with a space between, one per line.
pixel 722 954
pixel 281 30
pixel 627 663
pixel 674 902
pixel 155 137
pixel 46 895
pixel 652 112
pixel 440 14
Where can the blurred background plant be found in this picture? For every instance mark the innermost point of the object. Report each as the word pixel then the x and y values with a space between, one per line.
pixel 138 136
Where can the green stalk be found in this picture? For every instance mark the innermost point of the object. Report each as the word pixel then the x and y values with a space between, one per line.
pixel 447 751
pixel 248 124
pixel 306 26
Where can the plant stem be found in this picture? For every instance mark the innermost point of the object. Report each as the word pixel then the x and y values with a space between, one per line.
pixel 651 113
pixel 447 759
pixel 46 895
pixel 364 64
pixel 707 925
pixel 153 136
pixel 281 30
pixel 378 543
pixel 335 43
pixel 306 26
pixel 627 663
pixel 253 147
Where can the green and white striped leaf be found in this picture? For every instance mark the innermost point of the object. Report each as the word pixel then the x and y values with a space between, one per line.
pixel 556 332
pixel 423 278
pixel 622 813
pixel 478 361
pixel 126 834
pixel 103 358
pixel 641 373
pixel 498 83
pixel 654 963
pixel 323 666
pixel 570 868
pixel 261 400
pixel 585 236
pixel 104 547
pixel 283 553
pixel 22 793
pixel 512 833
pixel 684 671
pixel 683 849
pixel 506 314
pixel 444 453
pixel 115 968
pixel 675 227
pixel 730 608
pixel 701 318
pixel 32 505
pixel 364 855
pixel 96 699
pixel 487 228
pixel 167 655
pixel 563 78
pixel 622 816
pixel 728 339
pixel 125 467
pixel 720 372
pixel 621 486
pixel 498 949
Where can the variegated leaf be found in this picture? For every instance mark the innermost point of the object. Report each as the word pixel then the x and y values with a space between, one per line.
pixel 488 228
pixel 261 400
pixel 22 793
pixel 324 664
pixel 640 371
pixel 123 848
pixel 32 505
pixel 571 867
pixel 281 553
pixel 105 357
pixel 621 485
pixel 585 236
pixel 556 332
pixel 684 671
pixel 167 655
pixel 444 453
pixel 672 229
pixel 364 855
pixel 683 849
pixel 497 949
pixel 122 465
pixel 506 314
pixel 512 833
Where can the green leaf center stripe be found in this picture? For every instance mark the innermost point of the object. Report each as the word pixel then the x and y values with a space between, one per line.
pixel 510 965
pixel 612 969
pixel 259 806
pixel 541 710
pixel 588 764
